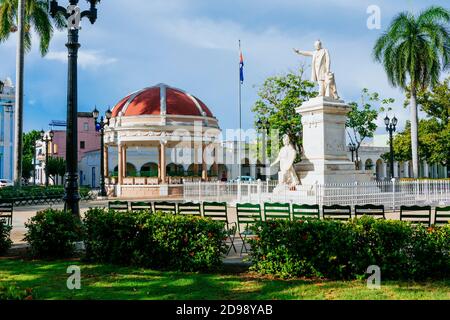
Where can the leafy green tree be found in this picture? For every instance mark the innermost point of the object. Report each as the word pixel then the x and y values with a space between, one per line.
pixel 434 143
pixel 27 167
pixel 361 121
pixel 29 146
pixel 56 167
pixel 436 102
pixel 279 96
pixel 37 19
pixel 414 50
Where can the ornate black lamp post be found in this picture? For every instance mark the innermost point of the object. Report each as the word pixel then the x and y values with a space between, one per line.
pixel 391 127
pixel 73 15
pixel 47 139
pixel 352 148
pixel 101 126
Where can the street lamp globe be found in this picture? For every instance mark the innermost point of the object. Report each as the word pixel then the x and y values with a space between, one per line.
pixel 108 114
pixel 52 134
pixel 387 121
pixel 395 121
pixel 95 113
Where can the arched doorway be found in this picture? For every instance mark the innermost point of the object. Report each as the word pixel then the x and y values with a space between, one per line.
pixel 149 170
pixel 246 170
pixel 131 171
pixel 194 170
pixel 175 170
pixel 369 166
pixel 222 172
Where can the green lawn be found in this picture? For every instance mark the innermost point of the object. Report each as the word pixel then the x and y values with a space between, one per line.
pixel 48 281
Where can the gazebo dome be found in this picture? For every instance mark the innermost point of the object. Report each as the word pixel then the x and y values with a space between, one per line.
pixel 161 100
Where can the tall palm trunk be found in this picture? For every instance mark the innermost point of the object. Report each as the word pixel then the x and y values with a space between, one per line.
pixel 19 95
pixel 414 132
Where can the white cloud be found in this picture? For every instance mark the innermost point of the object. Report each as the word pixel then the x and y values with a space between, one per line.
pixel 86 58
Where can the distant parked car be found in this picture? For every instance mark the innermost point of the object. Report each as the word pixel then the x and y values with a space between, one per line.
pixel 245 179
pixel 6 183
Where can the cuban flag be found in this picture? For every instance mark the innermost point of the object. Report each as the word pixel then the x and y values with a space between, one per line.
pixel 241 67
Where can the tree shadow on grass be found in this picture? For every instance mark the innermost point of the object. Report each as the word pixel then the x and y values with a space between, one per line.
pixel 106 282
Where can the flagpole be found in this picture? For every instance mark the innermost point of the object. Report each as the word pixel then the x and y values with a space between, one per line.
pixel 240 119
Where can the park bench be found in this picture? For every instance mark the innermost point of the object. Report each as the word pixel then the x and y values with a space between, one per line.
pixel 6 211
pixel 370 210
pixel 118 205
pixel 277 210
pixel 304 211
pixel 442 216
pixel 217 211
pixel 416 214
pixel 337 212
pixel 190 208
pixel 141 206
pixel 167 207
pixel 247 215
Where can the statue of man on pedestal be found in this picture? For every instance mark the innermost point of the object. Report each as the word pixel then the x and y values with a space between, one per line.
pixel 320 68
pixel 287 175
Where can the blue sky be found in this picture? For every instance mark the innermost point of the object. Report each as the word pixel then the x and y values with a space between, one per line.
pixel 192 44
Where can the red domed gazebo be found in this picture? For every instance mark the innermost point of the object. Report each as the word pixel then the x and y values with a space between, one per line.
pixel 159 117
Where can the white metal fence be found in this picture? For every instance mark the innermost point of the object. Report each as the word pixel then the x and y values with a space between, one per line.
pixel 391 194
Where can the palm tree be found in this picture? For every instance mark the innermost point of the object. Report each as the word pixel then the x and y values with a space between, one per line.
pixel 21 15
pixel 414 51
pixel 36 17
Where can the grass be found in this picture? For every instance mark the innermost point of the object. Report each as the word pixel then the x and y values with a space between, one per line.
pixel 107 282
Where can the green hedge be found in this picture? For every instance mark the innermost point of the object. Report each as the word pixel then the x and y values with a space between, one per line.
pixel 160 241
pixel 336 250
pixel 5 241
pixel 52 233
pixel 8 193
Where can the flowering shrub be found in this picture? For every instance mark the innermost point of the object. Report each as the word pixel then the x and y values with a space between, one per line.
pixel 331 249
pixel 5 241
pixel 14 293
pixel 52 233
pixel 161 241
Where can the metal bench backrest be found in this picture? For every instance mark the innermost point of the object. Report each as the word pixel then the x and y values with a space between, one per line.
pixel 247 214
pixel 277 211
pixel 141 206
pixel 189 208
pixel 442 216
pixel 370 210
pixel 337 212
pixel 6 211
pixel 118 205
pixel 416 214
pixel 167 207
pixel 302 211
pixel 216 211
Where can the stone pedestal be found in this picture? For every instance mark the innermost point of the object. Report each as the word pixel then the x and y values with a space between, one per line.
pixel 325 158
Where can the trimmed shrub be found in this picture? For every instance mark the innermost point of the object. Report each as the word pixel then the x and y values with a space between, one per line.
pixel 52 233
pixel 336 250
pixel 160 241
pixel 5 241
pixel 111 236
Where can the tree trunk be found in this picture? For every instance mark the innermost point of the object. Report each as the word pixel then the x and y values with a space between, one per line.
pixel 19 94
pixel 414 133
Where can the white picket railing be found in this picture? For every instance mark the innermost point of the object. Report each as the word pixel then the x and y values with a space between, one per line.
pixel 391 194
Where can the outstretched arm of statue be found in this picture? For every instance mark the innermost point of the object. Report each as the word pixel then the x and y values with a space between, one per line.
pixel 276 161
pixel 304 53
